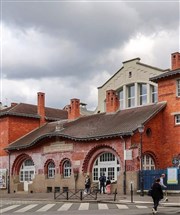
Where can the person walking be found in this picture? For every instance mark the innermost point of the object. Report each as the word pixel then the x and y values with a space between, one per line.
pixel 157 195
pixel 162 180
pixel 87 184
pixel 102 181
pixel 163 185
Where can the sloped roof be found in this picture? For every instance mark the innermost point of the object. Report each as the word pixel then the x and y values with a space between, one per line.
pixel 94 127
pixel 165 75
pixel 28 110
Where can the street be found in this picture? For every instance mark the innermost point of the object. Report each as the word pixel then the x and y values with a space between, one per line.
pixel 53 208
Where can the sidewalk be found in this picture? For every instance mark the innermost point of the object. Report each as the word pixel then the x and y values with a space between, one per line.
pixel 173 200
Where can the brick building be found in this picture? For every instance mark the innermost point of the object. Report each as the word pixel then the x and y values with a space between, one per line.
pixel 47 155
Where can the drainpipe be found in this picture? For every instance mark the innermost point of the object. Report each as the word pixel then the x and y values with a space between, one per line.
pixel 124 173
pixel 9 171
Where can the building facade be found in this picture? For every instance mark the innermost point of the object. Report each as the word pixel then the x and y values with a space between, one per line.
pixel 59 154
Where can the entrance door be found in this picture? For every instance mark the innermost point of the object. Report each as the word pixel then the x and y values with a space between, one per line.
pixel 108 164
pixel 27 173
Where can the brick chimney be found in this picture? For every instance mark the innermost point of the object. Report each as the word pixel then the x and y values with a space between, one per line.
pixel 41 107
pixel 112 101
pixel 13 104
pixel 74 109
pixel 175 60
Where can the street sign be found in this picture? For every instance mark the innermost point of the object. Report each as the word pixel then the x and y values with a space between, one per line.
pixel 175 161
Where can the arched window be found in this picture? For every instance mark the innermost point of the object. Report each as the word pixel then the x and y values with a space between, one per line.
pixel 51 170
pixel 148 163
pixel 27 171
pixel 67 169
pixel 106 163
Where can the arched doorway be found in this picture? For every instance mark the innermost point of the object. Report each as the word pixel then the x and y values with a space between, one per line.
pixel 106 163
pixel 27 173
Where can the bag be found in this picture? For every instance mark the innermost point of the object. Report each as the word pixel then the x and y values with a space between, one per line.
pixel 149 193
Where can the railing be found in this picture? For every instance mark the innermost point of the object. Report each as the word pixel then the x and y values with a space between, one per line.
pixel 80 194
pixel 76 194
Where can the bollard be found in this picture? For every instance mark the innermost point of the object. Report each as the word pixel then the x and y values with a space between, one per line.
pixel 67 196
pixel 115 193
pixel 81 195
pixel 95 195
pixel 131 192
pixel 54 194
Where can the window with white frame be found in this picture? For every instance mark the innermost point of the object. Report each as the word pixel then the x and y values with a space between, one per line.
pixel 131 95
pixel 148 163
pixel 177 119
pixel 143 94
pixel 27 171
pixel 178 88
pixel 107 164
pixel 121 98
pixel 67 169
pixel 154 97
pixel 51 170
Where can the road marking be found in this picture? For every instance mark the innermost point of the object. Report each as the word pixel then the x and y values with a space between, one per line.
pixel 102 207
pixel 84 206
pixel 122 206
pixel 24 209
pixel 45 208
pixel 65 207
pixel 8 208
pixel 141 207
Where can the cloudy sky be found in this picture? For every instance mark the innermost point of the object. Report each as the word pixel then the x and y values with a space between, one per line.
pixel 67 49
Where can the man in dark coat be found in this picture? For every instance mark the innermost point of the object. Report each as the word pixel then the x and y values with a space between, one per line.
pixel 157 195
pixel 102 181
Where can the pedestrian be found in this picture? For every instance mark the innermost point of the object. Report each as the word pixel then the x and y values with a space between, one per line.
pixel 102 181
pixel 108 186
pixel 157 195
pixel 87 184
pixel 162 180
pixel 163 185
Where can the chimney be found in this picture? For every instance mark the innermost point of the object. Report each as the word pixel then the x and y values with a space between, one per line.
pixel 41 107
pixel 112 101
pixel 175 60
pixel 74 109
pixel 13 104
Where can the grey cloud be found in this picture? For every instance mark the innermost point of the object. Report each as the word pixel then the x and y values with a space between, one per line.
pixel 71 38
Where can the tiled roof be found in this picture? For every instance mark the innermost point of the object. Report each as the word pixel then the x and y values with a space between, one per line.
pixel 94 127
pixel 28 110
pixel 166 74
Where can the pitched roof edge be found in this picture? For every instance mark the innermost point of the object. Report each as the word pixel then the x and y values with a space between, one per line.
pixel 165 75
pixel 54 134
pixel 111 78
pixel 19 114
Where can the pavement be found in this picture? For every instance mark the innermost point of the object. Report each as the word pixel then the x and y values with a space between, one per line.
pixel 173 199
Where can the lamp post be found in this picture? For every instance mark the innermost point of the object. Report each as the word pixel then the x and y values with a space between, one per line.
pixel 141 130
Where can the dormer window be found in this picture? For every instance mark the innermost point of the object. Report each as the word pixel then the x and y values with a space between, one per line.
pixel 143 94
pixel 131 95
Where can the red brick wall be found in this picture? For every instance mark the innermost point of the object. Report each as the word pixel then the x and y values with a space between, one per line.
pixel 4 134
pixel 171 132
pixel 12 128
pixel 152 144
